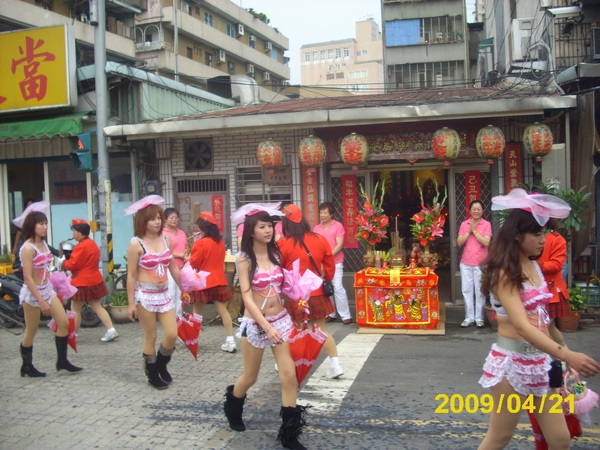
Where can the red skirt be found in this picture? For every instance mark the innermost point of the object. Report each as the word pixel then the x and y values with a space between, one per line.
pixel 319 306
pixel 85 293
pixel 214 294
pixel 561 308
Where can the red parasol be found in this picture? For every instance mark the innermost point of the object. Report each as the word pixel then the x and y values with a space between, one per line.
pixel 72 335
pixel 188 330
pixel 305 346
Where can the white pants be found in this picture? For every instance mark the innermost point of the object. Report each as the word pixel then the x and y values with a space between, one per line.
pixel 175 295
pixel 339 296
pixel 471 286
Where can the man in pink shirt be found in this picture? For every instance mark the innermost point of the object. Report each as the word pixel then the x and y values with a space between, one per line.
pixel 475 234
pixel 334 232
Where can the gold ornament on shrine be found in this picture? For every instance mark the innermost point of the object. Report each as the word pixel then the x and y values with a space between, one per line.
pixel 311 152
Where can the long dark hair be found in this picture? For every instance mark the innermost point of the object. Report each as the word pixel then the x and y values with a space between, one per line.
pixel 209 229
pixel 294 230
pixel 248 241
pixel 32 219
pixel 504 252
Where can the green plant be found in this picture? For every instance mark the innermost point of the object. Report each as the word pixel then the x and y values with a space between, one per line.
pixel 578 298
pixel 118 298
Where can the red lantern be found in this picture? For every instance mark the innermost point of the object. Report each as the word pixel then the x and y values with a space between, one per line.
pixel 490 143
pixel 538 140
pixel 354 149
pixel 311 152
pixel 446 145
pixel 269 154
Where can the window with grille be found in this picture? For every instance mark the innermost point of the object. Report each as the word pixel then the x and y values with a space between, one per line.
pixel 251 189
pixel 230 30
pixel 202 185
pixel 208 19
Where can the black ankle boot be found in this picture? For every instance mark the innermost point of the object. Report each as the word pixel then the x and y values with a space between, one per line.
pixel 151 371
pixel 162 359
pixel 292 422
pixel 27 367
pixel 234 408
pixel 61 349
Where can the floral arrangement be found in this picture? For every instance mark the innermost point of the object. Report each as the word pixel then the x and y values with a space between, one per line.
pixel 372 222
pixel 429 222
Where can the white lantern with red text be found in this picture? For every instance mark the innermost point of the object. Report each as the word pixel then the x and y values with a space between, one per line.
pixel 268 154
pixel 445 145
pixel 490 143
pixel 311 152
pixel 354 149
pixel 538 140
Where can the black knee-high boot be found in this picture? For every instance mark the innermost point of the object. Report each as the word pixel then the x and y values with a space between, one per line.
pixel 292 422
pixel 162 359
pixel 151 371
pixel 234 408
pixel 27 367
pixel 61 349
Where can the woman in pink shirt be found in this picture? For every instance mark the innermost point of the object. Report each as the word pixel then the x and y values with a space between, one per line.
pixel 475 234
pixel 178 241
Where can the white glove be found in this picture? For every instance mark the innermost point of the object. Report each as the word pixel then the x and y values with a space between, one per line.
pixel 59 262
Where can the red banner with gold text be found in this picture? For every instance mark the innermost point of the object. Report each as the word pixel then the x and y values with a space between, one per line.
pixel 513 171
pixel 217 210
pixel 310 196
pixel 472 187
pixel 349 210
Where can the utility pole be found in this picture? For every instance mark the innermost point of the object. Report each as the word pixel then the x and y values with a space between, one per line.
pixel 98 9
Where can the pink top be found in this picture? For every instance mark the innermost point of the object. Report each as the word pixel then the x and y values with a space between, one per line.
pixel 474 253
pixel 335 230
pixel 41 261
pixel 178 242
pixel 159 262
pixel 267 283
pixel 535 299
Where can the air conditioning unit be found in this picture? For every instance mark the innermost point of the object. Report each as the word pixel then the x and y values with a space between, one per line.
pixel 268 46
pixel 240 29
pixel 221 56
pixel 250 69
pixel 252 38
pixel 266 76
pixel 521 38
pixel 595 43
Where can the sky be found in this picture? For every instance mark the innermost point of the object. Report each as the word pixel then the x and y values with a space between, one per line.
pixel 311 21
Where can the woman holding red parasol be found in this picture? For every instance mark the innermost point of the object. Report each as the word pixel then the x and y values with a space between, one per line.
pixel 149 256
pixel 265 323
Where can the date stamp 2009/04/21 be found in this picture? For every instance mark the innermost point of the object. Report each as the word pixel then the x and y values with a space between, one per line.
pixel 513 403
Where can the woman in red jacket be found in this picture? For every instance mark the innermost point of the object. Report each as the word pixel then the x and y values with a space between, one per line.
pixel 208 254
pixel 87 278
pixel 552 262
pixel 297 235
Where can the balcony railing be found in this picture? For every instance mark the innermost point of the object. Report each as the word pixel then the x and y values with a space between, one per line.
pixel 149 46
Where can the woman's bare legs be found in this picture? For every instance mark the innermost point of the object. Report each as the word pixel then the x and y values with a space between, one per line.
pixel 287 374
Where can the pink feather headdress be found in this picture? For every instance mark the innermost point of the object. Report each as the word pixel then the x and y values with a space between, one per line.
pixel 42 207
pixel 541 206
pixel 142 203
pixel 251 208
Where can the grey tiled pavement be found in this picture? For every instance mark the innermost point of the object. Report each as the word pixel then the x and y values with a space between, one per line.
pixel 110 404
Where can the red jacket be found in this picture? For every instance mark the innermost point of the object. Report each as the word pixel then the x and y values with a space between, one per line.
pixel 210 256
pixel 83 264
pixel 551 262
pixel 321 253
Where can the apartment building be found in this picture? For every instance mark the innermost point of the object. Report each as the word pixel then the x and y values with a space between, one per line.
pixel 354 64
pixel 425 44
pixel 198 41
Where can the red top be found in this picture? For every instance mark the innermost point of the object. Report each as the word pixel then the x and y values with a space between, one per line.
pixel 321 253
pixel 83 264
pixel 551 262
pixel 210 256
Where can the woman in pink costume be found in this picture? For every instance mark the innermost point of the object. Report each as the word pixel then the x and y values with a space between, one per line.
pixel 520 360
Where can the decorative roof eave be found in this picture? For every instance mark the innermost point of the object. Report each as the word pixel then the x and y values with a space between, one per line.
pixel 236 123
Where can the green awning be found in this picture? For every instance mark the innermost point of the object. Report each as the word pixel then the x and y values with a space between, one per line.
pixel 67 125
pixel 486 43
